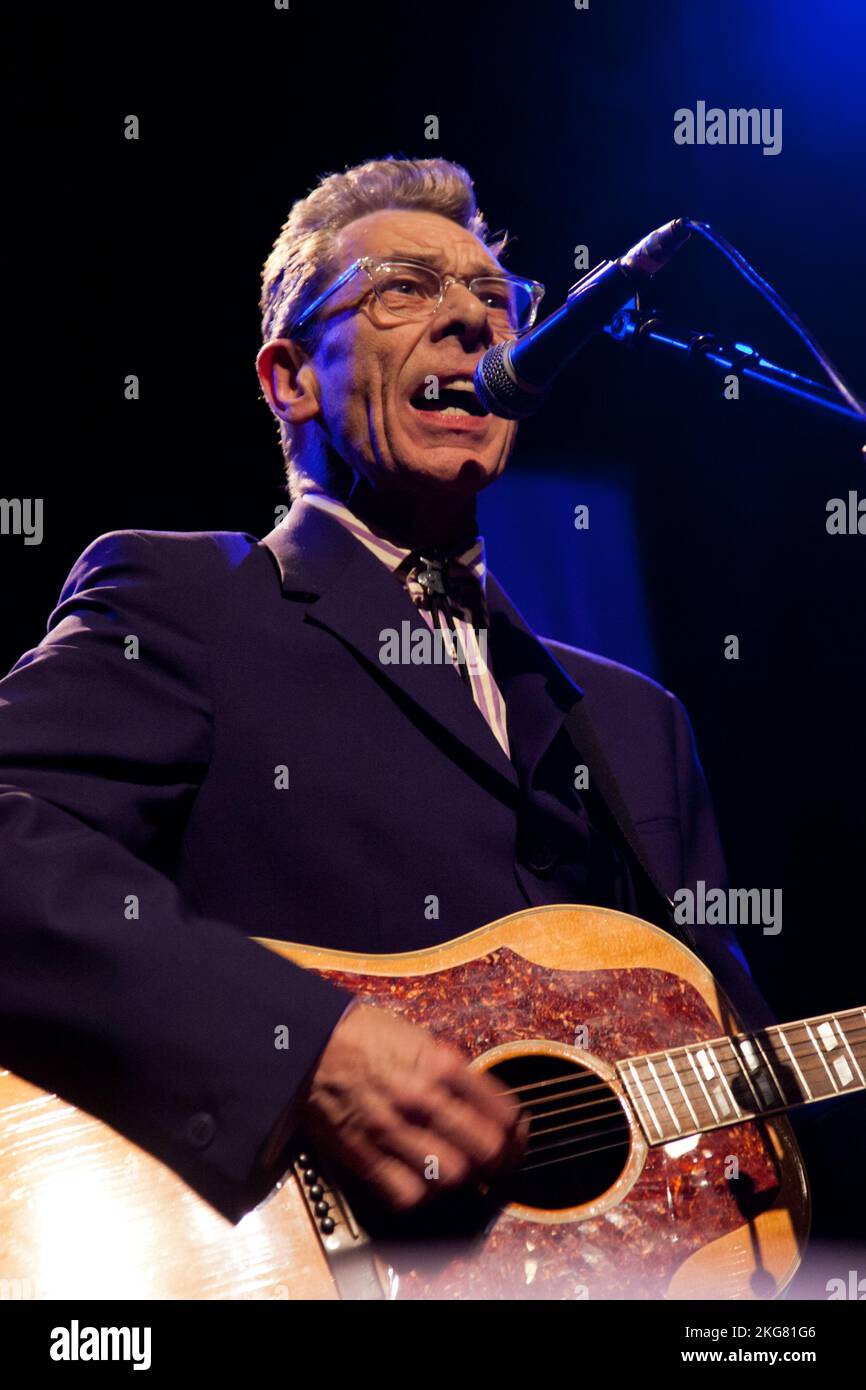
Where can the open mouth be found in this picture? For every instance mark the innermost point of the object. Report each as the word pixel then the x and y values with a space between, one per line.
pixel 455 400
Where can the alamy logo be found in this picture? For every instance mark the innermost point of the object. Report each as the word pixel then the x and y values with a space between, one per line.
pixel 76 1343
pixel 737 907
pixel 736 126
pixel 22 516
pixel 419 646
pixel 855 1287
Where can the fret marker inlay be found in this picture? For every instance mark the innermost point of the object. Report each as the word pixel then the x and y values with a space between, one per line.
pixel 843 1071
pixel 827 1036
pixel 763 1072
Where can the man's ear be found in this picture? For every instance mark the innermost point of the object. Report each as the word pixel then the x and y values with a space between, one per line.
pixel 289 381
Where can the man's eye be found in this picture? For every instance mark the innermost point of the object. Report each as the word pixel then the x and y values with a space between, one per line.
pixel 403 284
pixel 496 299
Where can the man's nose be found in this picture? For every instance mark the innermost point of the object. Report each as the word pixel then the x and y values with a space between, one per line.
pixel 461 314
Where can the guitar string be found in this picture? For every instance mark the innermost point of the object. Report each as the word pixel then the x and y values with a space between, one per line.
pixel 686 1081
pixel 675 1089
pixel 597 1107
pixel 707 1042
pixel 578 1142
pixel 570 1158
pixel 671 1089
pixel 616 1114
pixel 575 1125
pixel 563 1109
pixel 694 1087
pixel 580 1152
pixel 565 1143
pixel 809 1061
pixel 810 1051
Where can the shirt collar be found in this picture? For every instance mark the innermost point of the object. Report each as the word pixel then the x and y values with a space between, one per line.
pixel 390 552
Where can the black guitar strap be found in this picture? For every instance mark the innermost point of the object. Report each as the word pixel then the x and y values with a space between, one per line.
pixel 583 737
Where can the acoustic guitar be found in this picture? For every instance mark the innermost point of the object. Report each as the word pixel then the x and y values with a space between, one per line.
pixel 659 1162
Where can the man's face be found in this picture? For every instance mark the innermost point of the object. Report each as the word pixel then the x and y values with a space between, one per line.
pixel 372 368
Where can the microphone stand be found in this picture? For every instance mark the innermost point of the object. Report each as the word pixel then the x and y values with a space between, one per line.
pixel 637 327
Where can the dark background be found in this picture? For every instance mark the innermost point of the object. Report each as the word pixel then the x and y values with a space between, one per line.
pixel 707 516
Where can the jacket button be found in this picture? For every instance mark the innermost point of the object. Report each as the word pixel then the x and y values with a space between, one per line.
pixel 538 856
pixel 200 1130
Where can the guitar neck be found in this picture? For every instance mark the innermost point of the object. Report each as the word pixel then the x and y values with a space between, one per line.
pixel 707 1085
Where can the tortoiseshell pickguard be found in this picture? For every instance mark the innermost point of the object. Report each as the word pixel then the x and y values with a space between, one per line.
pixel 676 1206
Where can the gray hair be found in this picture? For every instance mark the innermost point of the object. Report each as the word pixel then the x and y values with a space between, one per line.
pixel 302 260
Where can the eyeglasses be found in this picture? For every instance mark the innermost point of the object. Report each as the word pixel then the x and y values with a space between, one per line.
pixel 409 290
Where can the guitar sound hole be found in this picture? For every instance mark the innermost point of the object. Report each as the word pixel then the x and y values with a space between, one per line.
pixel 578 1136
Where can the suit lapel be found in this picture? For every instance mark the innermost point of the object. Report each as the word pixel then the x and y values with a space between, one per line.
pixel 540 697
pixel 538 693
pixel 348 591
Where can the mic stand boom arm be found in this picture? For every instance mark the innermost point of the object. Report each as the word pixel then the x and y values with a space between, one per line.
pixel 638 328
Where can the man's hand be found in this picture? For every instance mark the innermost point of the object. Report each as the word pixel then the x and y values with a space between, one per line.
pixel 386 1098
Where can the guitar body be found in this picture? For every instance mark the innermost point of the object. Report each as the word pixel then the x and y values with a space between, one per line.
pixel 547 997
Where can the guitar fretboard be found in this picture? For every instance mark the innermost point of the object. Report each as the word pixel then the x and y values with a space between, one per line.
pixel 690 1090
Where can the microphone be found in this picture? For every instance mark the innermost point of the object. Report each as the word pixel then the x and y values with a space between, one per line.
pixel 513 379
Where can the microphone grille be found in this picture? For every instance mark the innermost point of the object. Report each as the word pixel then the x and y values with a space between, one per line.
pixel 497 389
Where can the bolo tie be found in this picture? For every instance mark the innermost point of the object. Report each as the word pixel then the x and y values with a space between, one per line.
pixel 432 577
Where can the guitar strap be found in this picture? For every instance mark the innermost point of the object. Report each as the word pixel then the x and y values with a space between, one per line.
pixel 585 741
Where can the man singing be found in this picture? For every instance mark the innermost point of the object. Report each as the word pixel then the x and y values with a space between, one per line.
pixel 220 738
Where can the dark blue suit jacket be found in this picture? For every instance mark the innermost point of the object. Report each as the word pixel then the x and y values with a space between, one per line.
pixel 145 836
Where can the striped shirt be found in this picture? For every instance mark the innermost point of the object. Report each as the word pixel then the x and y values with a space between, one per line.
pixel 485 691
